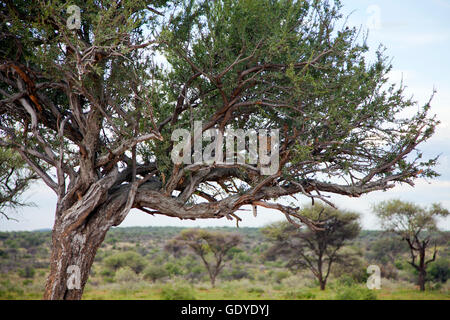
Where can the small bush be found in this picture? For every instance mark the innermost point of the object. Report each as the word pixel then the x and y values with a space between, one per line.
pixel 27 272
pixel 126 274
pixel 173 269
pixel 27 282
pixel 355 293
pixel 154 273
pixel 171 292
pixel 107 273
pixel 439 270
pixel 126 259
pixel 280 275
pixel 258 291
pixel 346 281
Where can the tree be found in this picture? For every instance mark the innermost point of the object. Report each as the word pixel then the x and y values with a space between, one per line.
pixel 130 259
pixel 154 272
pixel 316 250
pixel 211 246
pixel 15 178
pixel 88 105
pixel 387 249
pixel 413 224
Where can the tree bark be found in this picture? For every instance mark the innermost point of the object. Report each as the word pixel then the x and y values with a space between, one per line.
pixel 322 284
pixel 76 241
pixel 421 281
pixel 71 260
pixel 422 268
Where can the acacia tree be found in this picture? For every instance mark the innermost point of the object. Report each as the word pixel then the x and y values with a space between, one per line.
pixel 91 109
pixel 211 247
pixel 314 249
pixel 413 224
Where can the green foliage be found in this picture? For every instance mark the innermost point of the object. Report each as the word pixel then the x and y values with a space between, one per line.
pixel 126 274
pixel 354 292
pixel 126 259
pixel 256 290
pixel 27 272
pixel 439 271
pixel 177 292
pixel 173 269
pixel 9 290
pixel 108 273
pixel 409 219
pixel 300 295
pixel 155 272
pixel 280 276
pixel 387 249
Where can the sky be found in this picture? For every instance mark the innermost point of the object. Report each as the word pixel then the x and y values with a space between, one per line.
pixel 416 35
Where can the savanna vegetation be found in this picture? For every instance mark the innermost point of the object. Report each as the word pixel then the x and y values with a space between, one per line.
pixel 150 263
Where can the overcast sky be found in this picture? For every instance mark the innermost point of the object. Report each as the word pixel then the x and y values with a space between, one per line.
pixel 416 34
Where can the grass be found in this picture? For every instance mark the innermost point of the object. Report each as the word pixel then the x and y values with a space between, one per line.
pixel 14 287
pixel 155 293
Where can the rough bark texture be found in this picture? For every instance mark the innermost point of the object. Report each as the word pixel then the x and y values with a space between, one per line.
pixel 75 242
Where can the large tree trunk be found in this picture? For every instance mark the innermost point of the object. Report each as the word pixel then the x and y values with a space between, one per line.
pixel 77 234
pixel 71 260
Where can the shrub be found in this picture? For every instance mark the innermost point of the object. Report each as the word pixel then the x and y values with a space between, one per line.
pixel 27 282
pixel 126 259
pixel 280 275
pixel 173 292
pixel 439 271
pixel 154 273
pixel 346 281
pixel 107 273
pixel 126 274
pixel 258 291
pixel 173 269
pixel 27 272
pixel 195 273
pixel 236 273
pixel 355 293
